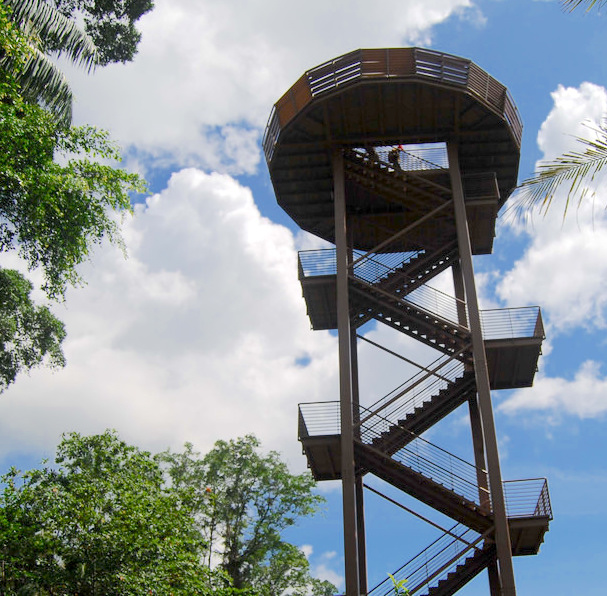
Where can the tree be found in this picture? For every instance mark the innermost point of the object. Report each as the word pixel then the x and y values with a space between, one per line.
pixel 57 200
pixel 244 500
pixel 29 334
pixel 110 24
pixel 100 522
pixel 51 29
pixel 103 520
pixel 573 169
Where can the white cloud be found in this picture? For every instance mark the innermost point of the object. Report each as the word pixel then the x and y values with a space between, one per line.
pixel 566 274
pixel 199 335
pixel 585 396
pixel 573 106
pixel 322 569
pixel 307 549
pixel 564 269
pixel 207 73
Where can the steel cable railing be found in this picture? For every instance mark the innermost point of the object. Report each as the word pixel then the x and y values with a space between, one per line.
pixel 524 498
pixel 503 323
pixel 425 458
pixel 512 323
pixel 370 269
pixel 419 389
pixel 527 498
pixel 436 560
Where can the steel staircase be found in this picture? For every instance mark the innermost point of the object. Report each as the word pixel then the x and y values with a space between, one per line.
pixel 422 477
pixel 445 566
pixel 393 183
pixel 409 318
pixel 468 569
pixel 391 286
pixel 427 414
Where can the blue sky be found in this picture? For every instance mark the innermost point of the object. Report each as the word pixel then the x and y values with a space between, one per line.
pixel 202 333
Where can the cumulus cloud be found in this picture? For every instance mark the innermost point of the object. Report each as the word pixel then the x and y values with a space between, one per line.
pixel 201 88
pixel 199 335
pixel 564 268
pixel 585 396
pixel 322 569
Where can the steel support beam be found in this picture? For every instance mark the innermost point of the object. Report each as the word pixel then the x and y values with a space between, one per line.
pixel 348 478
pixel 494 579
pixel 360 500
pixel 476 426
pixel 502 533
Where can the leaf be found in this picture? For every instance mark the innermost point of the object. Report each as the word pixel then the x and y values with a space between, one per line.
pixel 571 171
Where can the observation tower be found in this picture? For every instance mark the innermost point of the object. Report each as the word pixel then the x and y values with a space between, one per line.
pixel 402 158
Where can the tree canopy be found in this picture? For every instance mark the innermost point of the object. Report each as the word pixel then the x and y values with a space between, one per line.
pixel 38 78
pixel 244 500
pixel 110 24
pixel 99 523
pixel 109 518
pixel 57 200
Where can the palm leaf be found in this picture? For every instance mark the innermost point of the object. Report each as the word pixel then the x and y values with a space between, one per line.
pixel 574 170
pixel 571 5
pixel 41 81
pixel 46 22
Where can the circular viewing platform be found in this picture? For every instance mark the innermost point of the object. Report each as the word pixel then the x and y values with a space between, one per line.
pixel 369 100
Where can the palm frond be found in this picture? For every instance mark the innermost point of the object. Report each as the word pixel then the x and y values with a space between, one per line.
pixel 574 169
pixel 571 5
pixel 41 81
pixel 46 22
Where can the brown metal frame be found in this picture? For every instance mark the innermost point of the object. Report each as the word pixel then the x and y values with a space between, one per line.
pixel 330 179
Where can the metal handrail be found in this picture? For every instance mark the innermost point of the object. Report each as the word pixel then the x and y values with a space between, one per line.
pixel 501 323
pixel 420 388
pixel 387 63
pixel 511 323
pixel 527 498
pixel 524 498
pixel 423 457
pixel 372 269
pixel 440 556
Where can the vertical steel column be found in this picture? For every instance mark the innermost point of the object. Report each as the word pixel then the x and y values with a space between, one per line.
pixel 348 479
pixel 360 501
pixel 502 533
pixel 476 427
pixel 494 579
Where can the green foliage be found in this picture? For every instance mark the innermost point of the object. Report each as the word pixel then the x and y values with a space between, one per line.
pixel 102 520
pixel 571 171
pixel 573 4
pixel 243 501
pixel 99 523
pixel 399 586
pixel 29 334
pixel 51 211
pixel 110 24
pixel 58 198
pixel 41 26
